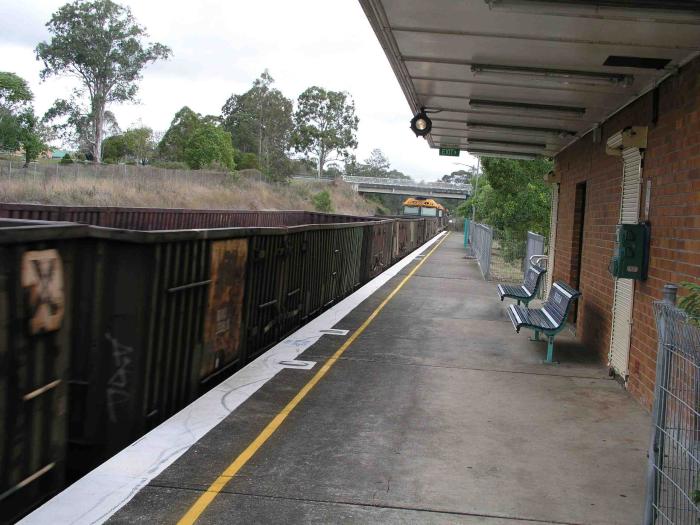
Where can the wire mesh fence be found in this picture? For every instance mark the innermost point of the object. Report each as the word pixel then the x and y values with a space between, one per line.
pixel 142 176
pixel 481 240
pixel 673 488
pixel 502 257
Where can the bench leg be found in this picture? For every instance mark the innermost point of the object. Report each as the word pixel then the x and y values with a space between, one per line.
pixel 518 302
pixel 550 350
pixel 536 337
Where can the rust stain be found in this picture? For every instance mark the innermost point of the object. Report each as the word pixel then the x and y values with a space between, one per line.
pixel 222 328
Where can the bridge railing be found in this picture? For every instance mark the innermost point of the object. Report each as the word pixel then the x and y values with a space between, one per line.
pixel 403 183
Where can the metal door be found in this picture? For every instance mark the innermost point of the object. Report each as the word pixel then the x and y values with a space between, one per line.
pixel 623 299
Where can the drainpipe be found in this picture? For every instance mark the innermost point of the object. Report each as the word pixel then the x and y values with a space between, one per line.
pixel 670 293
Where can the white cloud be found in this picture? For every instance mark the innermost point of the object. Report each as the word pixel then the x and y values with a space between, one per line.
pixel 220 47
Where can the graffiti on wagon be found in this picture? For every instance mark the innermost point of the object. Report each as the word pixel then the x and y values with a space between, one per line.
pixel 118 384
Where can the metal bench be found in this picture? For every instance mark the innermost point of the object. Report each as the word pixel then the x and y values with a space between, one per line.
pixel 550 319
pixel 527 291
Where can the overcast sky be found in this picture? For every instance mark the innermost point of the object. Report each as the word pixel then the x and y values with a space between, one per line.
pixel 219 48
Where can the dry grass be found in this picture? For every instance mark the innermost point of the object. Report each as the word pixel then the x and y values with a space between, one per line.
pixel 132 186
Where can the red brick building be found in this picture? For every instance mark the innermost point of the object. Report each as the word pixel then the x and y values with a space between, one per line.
pixel 670 201
pixel 563 79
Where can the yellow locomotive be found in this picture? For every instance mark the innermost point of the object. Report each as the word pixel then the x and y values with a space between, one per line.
pixel 422 207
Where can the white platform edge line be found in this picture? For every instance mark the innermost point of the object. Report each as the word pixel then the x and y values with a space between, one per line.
pixel 102 492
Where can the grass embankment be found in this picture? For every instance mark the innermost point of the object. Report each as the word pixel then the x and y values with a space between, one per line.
pixel 132 186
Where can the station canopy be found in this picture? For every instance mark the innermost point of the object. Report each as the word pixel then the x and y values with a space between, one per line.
pixel 525 78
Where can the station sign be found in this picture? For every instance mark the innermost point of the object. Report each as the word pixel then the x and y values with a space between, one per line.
pixel 449 151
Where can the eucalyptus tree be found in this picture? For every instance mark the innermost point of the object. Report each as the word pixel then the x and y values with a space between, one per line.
pixel 260 122
pixel 101 44
pixel 325 126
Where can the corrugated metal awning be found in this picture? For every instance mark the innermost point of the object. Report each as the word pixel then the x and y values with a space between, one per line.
pixel 528 77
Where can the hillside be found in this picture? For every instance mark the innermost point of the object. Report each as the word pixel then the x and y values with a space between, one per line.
pixel 120 185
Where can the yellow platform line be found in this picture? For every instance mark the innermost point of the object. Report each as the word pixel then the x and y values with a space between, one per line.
pixel 199 506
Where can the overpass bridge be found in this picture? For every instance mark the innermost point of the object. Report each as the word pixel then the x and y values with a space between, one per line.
pixel 408 187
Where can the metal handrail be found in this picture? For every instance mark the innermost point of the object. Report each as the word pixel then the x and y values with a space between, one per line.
pixel 536 259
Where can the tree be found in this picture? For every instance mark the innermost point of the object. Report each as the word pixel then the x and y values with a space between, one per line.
pixel 182 127
pixel 246 161
pixel 15 99
pixel 208 146
pixel 260 122
pixel 513 198
pixel 14 92
pixel 114 148
pixel 199 141
pixel 325 125
pixel 377 163
pixel 135 144
pixel 19 127
pixel 460 176
pixel 100 43
pixel 139 144
pixel 31 137
pixel 75 125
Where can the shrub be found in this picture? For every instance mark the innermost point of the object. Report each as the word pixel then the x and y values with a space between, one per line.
pixel 66 159
pixel 169 165
pixel 322 201
pixel 691 302
pixel 209 145
pixel 245 161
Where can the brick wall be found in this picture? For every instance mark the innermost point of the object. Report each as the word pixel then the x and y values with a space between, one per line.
pixel 672 163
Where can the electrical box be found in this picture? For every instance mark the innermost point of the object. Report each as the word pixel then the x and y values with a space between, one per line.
pixel 631 256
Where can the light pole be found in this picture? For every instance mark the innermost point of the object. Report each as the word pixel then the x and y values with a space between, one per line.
pixel 476 183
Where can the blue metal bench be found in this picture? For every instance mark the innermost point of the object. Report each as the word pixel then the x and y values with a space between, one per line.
pixel 550 319
pixel 528 290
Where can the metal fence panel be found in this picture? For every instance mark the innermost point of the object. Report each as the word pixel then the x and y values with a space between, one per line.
pixel 482 239
pixel 534 246
pixel 674 458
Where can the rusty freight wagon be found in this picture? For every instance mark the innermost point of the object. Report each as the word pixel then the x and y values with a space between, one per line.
pixel 109 327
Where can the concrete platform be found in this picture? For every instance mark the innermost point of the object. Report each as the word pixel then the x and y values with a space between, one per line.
pixel 437 413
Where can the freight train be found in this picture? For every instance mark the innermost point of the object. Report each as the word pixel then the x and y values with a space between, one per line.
pixel 113 319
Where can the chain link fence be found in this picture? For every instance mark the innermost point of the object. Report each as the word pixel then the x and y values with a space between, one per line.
pixel 673 484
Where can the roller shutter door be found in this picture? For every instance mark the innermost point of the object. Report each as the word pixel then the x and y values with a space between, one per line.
pixel 623 299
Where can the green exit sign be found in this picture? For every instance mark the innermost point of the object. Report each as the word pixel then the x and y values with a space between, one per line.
pixel 449 152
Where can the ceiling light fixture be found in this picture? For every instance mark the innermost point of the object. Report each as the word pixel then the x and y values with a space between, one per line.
pixel 563 76
pixel 515 144
pixel 487 126
pixel 525 106
pixel 636 5
pixel 421 123
pixel 502 154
